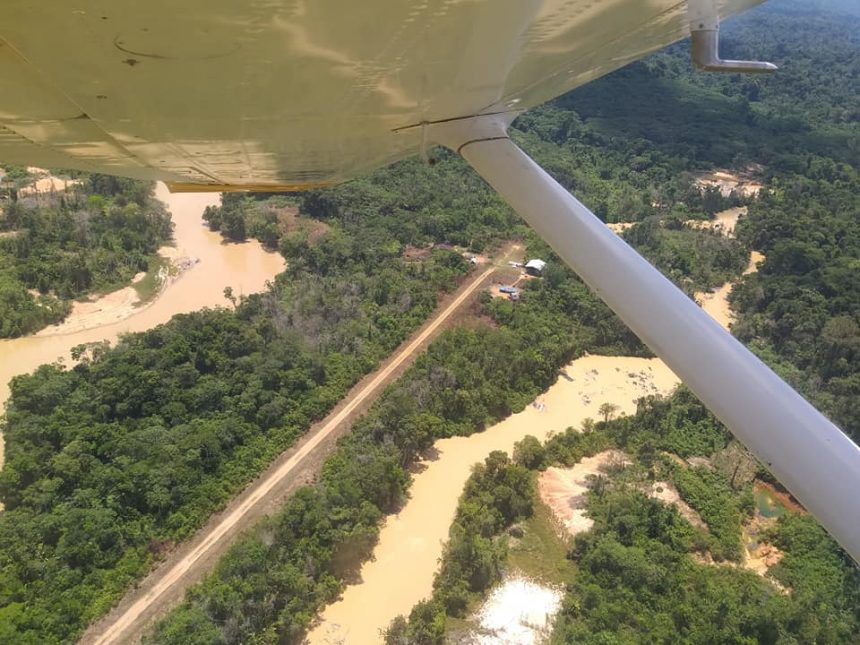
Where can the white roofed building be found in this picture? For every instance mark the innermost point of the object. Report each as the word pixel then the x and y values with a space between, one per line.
pixel 535 267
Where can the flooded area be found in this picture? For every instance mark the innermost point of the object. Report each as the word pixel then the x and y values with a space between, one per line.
pixel 410 543
pixel 517 612
pixel 120 304
pixel 767 503
pixel 724 222
pixel 245 267
pixel 770 505
pixel 716 302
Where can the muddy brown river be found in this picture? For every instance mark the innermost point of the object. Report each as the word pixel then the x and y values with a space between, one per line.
pixel 245 267
pixel 410 543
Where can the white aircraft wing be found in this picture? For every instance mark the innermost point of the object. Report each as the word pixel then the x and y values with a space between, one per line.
pixel 290 94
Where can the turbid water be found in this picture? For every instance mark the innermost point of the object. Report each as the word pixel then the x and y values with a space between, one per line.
pixel 245 267
pixel 767 504
pixel 410 543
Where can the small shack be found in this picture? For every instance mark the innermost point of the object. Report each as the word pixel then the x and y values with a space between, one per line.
pixel 535 267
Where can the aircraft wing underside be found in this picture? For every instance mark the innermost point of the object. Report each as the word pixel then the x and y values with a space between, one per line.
pixel 289 94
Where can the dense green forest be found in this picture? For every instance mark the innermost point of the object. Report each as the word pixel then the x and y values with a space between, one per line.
pixel 635 577
pixel 141 443
pixel 136 446
pixel 93 237
pixel 635 580
pixel 497 494
pixel 111 461
pixel 800 126
pixel 270 585
pixel 801 310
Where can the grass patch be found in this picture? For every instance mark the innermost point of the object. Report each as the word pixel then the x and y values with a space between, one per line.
pixel 149 287
pixel 541 553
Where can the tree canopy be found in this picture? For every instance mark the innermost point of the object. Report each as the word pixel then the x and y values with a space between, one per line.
pixel 93 237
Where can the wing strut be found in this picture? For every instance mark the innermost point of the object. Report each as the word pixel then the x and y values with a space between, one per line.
pixel 813 458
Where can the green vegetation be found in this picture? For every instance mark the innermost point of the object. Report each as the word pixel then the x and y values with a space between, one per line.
pixel 497 494
pixel 540 552
pixel 639 575
pixel 150 285
pixel 463 383
pixel 820 575
pixel 109 462
pixel 802 309
pixel 808 109
pixel 696 260
pixel 405 196
pixel 93 238
pixel 710 495
pixel 637 582
pixel 136 446
pixel 16 177
pixel 146 440
pixel 241 216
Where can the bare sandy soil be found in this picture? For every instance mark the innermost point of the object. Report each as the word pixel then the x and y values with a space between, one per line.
pixel 716 302
pixel 668 494
pixel 120 304
pixel 45 183
pixel 410 543
pixel 619 227
pixel 746 184
pixel 758 556
pixel 565 490
pixel 724 222
pixel 496 289
pixel 105 309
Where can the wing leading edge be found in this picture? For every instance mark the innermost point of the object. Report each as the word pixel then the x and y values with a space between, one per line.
pixel 290 94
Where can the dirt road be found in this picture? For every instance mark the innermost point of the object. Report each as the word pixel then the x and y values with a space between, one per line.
pixel 165 586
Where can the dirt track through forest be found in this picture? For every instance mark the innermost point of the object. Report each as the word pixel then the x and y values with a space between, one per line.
pixel 410 545
pixel 165 586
